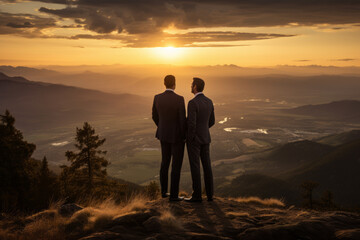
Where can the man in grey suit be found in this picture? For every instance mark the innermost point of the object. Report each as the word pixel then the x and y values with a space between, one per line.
pixel 200 118
pixel 168 113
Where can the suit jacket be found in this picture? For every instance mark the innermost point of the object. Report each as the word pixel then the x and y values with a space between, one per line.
pixel 168 113
pixel 200 118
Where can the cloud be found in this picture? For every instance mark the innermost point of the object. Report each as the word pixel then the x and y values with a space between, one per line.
pixel 204 38
pixel 26 25
pixel 186 14
pixel 302 60
pixel 191 39
pixel 141 23
pixel 30 26
pixel 23 25
pixel 344 59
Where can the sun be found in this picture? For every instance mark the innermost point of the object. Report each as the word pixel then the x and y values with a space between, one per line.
pixel 169 52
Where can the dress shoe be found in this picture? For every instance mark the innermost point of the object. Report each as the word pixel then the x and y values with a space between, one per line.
pixel 210 199
pixel 193 199
pixel 176 199
pixel 165 195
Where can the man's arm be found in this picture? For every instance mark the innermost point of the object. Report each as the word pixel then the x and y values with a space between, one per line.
pixel 191 121
pixel 155 115
pixel 182 118
pixel 212 116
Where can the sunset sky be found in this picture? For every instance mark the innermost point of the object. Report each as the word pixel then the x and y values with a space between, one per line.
pixel 189 32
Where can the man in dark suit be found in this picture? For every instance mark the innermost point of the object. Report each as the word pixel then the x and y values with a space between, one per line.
pixel 200 118
pixel 168 113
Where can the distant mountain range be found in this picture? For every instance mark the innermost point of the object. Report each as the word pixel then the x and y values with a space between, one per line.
pixel 346 110
pixel 222 82
pixel 336 169
pixel 38 105
pixel 87 79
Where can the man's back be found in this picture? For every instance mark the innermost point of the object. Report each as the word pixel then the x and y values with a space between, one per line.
pixel 168 114
pixel 200 118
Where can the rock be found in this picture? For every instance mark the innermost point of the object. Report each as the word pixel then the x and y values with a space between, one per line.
pixel 131 219
pixel 153 224
pixel 106 235
pixel 150 238
pixel 118 229
pixel 310 229
pixel 172 236
pixel 195 227
pixel 203 236
pixel 178 210
pixel 67 210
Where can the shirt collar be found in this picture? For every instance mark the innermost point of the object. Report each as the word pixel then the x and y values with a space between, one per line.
pixel 198 93
pixel 169 89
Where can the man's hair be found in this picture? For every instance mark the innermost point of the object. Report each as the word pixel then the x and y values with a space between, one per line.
pixel 169 81
pixel 200 84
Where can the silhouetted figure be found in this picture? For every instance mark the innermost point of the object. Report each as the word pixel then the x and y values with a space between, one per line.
pixel 168 113
pixel 200 118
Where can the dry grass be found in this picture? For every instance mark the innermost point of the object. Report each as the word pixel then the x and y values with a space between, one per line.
pixel 136 203
pixel 5 235
pixel 44 229
pixel 302 213
pixel 49 225
pixel 102 213
pixel 266 202
pixel 270 209
pixel 54 205
pixel 41 226
pixel 238 214
pixel 169 222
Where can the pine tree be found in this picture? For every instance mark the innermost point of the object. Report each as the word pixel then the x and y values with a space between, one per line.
pixel 44 171
pixel 327 199
pixel 308 187
pixel 46 184
pixel 89 161
pixel 16 167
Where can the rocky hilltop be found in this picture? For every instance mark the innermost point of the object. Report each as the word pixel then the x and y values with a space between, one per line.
pixel 241 218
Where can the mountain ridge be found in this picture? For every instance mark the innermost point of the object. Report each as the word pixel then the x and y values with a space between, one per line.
pixel 38 104
pixel 344 110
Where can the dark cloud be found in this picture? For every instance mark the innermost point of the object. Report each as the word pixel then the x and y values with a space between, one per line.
pixel 344 59
pixel 68 12
pixel 23 25
pixel 26 25
pixel 140 23
pixel 337 28
pixel 186 14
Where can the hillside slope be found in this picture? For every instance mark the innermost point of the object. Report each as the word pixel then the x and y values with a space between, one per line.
pixel 222 219
pixel 346 110
pixel 338 172
pixel 291 156
pixel 284 169
pixel 340 138
pixel 42 104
